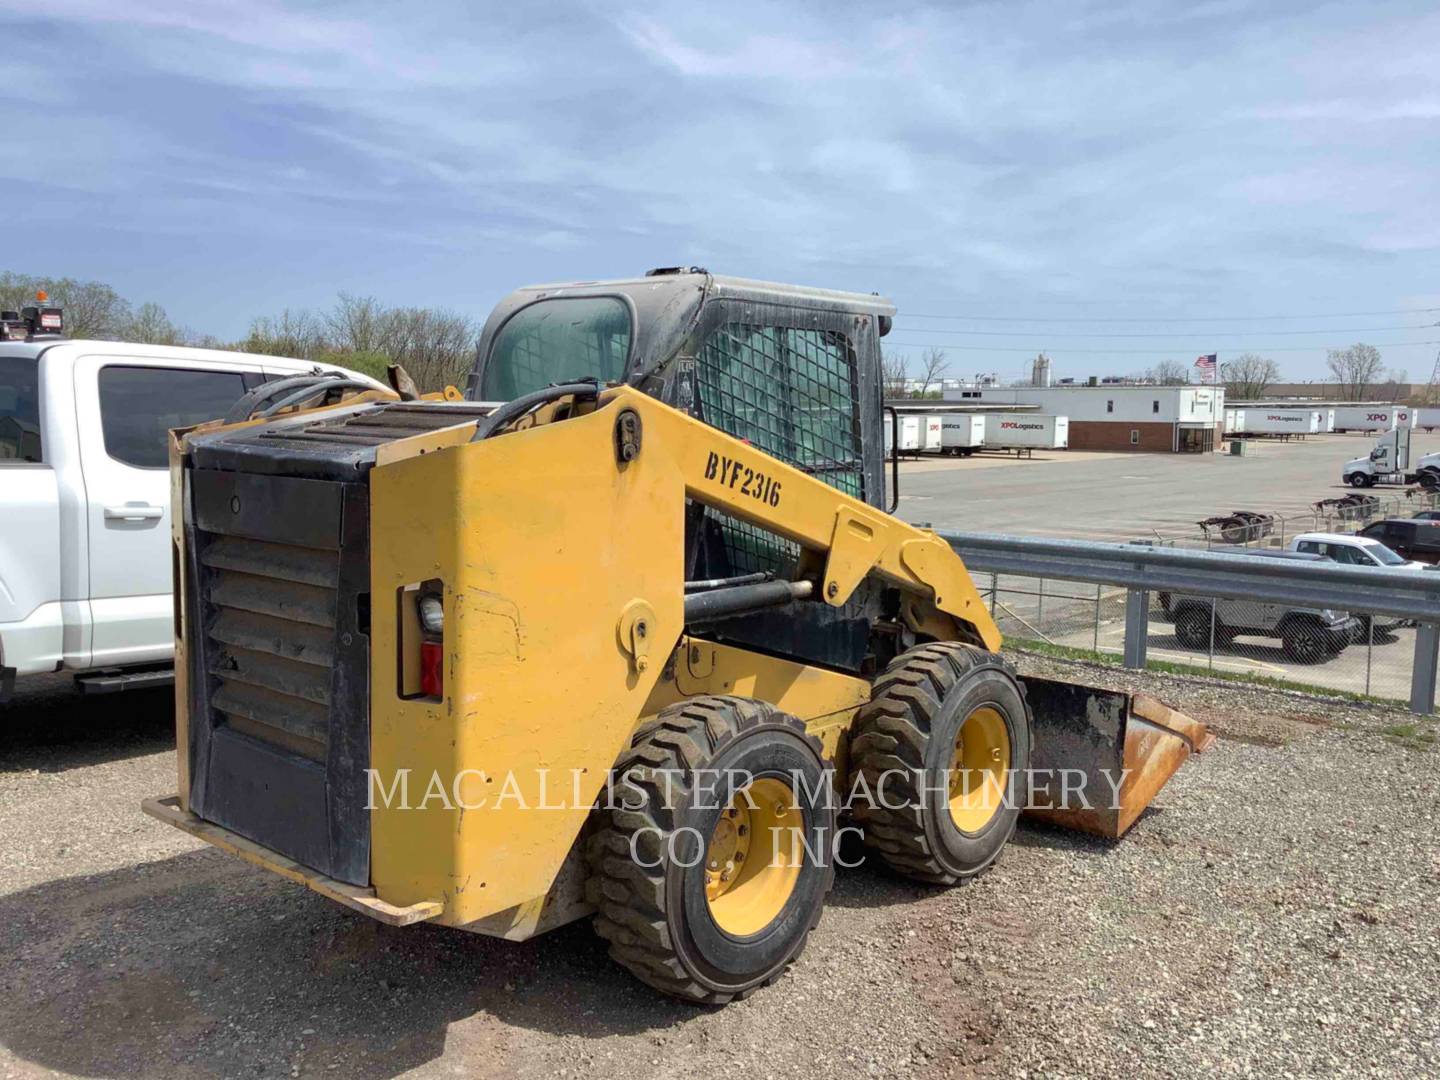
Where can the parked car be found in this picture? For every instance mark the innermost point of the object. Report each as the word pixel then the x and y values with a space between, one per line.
pixel 1352 550
pixel 1426 515
pixel 85 498
pixel 1307 635
pixel 1418 541
pixel 1356 550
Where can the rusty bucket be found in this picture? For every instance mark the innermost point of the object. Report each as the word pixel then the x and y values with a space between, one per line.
pixel 1101 756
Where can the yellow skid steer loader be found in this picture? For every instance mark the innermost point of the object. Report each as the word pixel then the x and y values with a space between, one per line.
pixel 628 630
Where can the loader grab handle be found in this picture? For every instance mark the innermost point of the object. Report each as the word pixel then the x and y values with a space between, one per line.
pixel 513 410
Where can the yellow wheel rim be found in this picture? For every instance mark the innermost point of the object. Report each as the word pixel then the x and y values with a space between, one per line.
pixel 753 857
pixel 979 769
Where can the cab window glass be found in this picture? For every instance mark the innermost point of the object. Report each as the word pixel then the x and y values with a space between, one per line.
pixel 560 340
pixel 139 405
pixel 19 409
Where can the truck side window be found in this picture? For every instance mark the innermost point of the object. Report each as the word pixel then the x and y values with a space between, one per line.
pixel 19 410
pixel 138 405
pixel 1309 547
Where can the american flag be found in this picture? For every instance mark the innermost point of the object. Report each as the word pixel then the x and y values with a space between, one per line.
pixel 1206 364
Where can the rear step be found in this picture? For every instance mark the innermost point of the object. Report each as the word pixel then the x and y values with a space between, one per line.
pixel 1101 756
pixel 360 898
pixel 112 682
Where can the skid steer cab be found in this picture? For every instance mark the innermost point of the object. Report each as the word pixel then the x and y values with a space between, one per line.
pixel 626 632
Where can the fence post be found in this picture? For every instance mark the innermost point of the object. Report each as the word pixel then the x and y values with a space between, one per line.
pixel 1096 640
pixel 1137 627
pixel 1213 604
pixel 1369 650
pixel 1422 675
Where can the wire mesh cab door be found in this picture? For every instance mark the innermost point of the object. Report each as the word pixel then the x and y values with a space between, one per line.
pixel 800 383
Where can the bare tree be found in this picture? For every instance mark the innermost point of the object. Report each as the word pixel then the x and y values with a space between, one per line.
pixel 291 333
pixel 933 366
pixel 1247 377
pixel 151 326
pixel 436 347
pixel 357 324
pixel 1169 373
pixel 92 308
pixel 894 371
pixel 1354 369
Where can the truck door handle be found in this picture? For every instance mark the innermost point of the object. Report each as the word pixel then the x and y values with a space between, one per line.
pixel 133 512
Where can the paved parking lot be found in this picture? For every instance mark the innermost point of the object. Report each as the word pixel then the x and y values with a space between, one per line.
pixel 1123 496
pixel 1120 497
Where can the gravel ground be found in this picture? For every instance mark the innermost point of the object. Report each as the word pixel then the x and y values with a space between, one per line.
pixel 1273 914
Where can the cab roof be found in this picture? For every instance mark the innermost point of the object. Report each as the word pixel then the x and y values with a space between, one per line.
pixel 666 304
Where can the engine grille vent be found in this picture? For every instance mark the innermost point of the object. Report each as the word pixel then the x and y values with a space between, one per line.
pixel 271 639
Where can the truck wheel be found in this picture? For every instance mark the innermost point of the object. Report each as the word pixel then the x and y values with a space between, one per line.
pixel 942 747
pixel 711 863
pixel 1303 642
pixel 1192 628
pixel 1429 479
pixel 1359 480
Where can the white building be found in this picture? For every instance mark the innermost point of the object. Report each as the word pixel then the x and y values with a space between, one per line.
pixel 1174 419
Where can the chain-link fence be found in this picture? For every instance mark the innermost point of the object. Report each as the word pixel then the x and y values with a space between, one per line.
pixel 1275 528
pixel 1325 651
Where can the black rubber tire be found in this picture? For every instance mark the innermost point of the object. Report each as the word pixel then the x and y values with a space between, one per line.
pixel 1360 480
pixel 1303 642
pixel 1429 479
pixel 1192 628
pixel 906 735
pixel 656 918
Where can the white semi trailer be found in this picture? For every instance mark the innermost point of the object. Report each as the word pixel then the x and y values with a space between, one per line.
pixel 1026 431
pixel 1375 418
pixel 911 436
pixel 962 433
pixel 932 433
pixel 1282 422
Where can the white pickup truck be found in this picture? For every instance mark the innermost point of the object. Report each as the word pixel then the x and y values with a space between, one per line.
pixel 85 559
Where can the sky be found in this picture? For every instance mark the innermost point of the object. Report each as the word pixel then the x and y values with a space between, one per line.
pixel 1115 183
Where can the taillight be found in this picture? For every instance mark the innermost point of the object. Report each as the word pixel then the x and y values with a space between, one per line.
pixel 432 669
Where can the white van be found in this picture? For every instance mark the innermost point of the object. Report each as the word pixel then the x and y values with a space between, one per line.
pixel 85 497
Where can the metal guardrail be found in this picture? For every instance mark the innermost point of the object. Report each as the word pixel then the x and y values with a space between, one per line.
pixel 1142 569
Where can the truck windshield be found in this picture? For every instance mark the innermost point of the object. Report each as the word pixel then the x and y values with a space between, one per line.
pixel 19 409
pixel 1383 555
pixel 558 340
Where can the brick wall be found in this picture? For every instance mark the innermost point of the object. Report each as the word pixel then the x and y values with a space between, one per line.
pixel 1115 435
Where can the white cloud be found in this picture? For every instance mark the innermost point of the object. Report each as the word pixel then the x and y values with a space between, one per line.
pixel 1139 155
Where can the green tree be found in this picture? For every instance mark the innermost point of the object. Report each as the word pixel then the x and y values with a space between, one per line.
pixel 151 326
pixel 92 308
